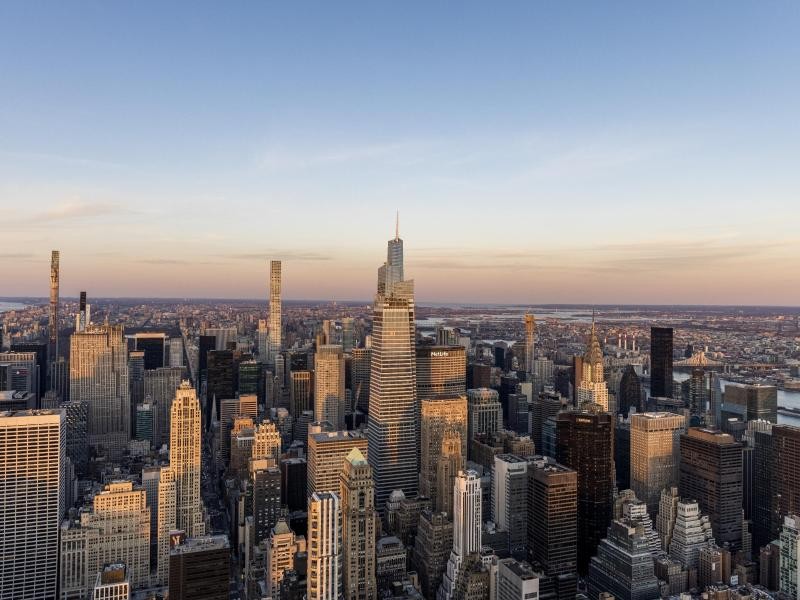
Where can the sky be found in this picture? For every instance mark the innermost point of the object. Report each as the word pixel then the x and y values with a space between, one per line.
pixel 538 152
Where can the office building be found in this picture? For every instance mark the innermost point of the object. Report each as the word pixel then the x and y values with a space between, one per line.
pixel 661 362
pixel 516 581
pixel 98 376
pixel 275 325
pixel 199 569
pixel 327 451
pixel 711 473
pixel 789 567
pixel 41 366
pixel 392 430
pixel 221 377
pixel 654 454
pixel 759 483
pixel 299 392
pixel 112 583
pixel 162 513
pixel 441 416
pixel 329 398
pixel 283 546
pixel 359 377
pixel 184 459
pixel 484 414
pixel 585 443
pixel 450 461
pixel 691 533
pixel 265 490
pixel 510 499
pixel 592 387
pixel 441 371
pixel 324 547
pixel 154 346
pixel 630 392
pixel 786 469
pixel 359 528
pixel 622 454
pixel 750 402
pixel 553 523
pixel 160 386
pixel 623 565
pixel 467 527
pixel 32 455
pixel 432 546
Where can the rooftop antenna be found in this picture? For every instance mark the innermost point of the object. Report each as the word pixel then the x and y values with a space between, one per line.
pixel 397 226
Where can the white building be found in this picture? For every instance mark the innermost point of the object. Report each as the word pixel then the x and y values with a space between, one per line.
pixel 324 547
pixel 467 526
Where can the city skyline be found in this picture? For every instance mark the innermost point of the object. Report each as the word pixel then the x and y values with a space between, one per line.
pixel 560 167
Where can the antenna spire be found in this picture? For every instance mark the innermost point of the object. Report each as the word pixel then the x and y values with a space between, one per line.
pixel 397 226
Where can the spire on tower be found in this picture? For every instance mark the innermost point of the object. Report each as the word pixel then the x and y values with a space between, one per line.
pixel 397 226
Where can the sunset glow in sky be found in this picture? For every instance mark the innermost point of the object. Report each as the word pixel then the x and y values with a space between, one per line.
pixel 538 152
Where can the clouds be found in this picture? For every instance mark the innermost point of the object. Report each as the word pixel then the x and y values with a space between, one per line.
pixel 275 254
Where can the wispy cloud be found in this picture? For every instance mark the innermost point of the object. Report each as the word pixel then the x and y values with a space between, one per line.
pixel 294 159
pixel 80 210
pixel 61 159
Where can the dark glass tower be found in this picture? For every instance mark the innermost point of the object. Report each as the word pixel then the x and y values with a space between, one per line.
pixel 585 443
pixel 630 391
pixel 661 362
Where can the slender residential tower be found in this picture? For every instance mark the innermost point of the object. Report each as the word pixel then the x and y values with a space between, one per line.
pixel 275 340
pixel 467 525
pixel 53 328
pixel 392 430
pixel 530 336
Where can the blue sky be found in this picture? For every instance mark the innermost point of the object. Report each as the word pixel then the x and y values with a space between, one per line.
pixel 537 151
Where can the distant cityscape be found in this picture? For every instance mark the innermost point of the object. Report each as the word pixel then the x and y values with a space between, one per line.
pixel 271 449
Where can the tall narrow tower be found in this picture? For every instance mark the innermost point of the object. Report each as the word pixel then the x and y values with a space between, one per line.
pixel 530 335
pixel 467 524
pixel 592 388
pixel 275 339
pixel 184 459
pixel 53 326
pixel 392 431
pixel 359 521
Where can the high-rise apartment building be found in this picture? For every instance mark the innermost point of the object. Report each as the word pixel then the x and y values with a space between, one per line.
pixel 553 523
pixel 265 507
pixel 98 375
pixel 359 528
pixel 467 527
pixel 52 325
pixel 440 416
pixel 661 362
pixel 275 327
pixel 392 429
pixel 329 398
pixel 655 454
pixel 327 451
pixel 324 547
pixel 592 387
pixel 530 341
pixel 585 443
pixel 32 455
pixel 165 518
pixel 510 499
pixel 184 459
pixel 711 473
pixel 283 546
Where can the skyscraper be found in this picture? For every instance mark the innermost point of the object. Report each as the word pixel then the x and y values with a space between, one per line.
pixel 450 461
pixel 711 473
pixel 661 362
pixel 585 443
pixel 199 569
pixel 440 416
pixel 510 498
pixel 324 547
pixel 530 341
pixel 53 322
pixel 98 375
pixel 329 399
pixel 281 551
pixel 359 528
pixel 485 413
pixel 359 377
pixel 750 402
pixel 327 451
pixel 275 333
pixel 786 448
pixel 467 526
pixel 655 454
pixel 789 569
pixel 552 523
pixel 432 545
pixel 392 430
pixel 630 391
pixel 592 388
pixel 160 386
pixel 441 370
pixel 299 393
pixel 32 448
pixel 184 459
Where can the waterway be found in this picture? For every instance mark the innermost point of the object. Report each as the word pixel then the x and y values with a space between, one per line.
pixel 6 306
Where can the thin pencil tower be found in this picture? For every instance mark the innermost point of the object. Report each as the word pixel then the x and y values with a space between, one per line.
pixel 54 268
pixel 275 340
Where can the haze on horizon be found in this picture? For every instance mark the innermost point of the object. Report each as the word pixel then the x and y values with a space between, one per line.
pixel 538 153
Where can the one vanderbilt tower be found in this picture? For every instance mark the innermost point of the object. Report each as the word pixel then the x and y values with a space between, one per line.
pixel 393 450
